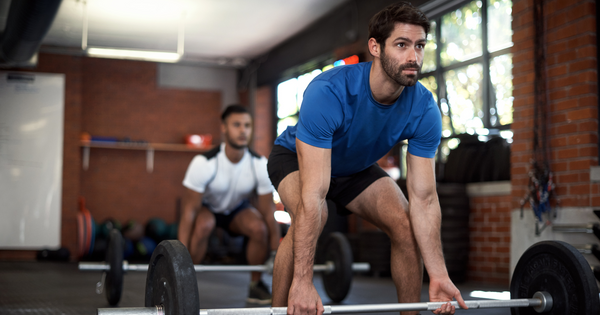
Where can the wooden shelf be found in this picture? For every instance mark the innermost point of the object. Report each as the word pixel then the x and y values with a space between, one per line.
pixel 148 147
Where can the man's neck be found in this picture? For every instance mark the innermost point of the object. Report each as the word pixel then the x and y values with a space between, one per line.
pixel 385 90
pixel 234 155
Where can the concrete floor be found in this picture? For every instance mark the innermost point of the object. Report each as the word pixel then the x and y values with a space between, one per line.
pixel 59 288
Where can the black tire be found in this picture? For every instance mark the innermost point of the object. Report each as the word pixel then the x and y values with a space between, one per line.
pixel 114 277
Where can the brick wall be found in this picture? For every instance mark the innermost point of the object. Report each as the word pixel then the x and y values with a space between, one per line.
pixel 263 113
pixel 489 224
pixel 120 98
pixel 572 98
pixel 262 133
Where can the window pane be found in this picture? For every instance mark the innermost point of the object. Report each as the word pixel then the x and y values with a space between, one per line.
pixel 431 85
pixel 303 82
pixel 501 77
pixel 430 47
pixel 463 87
pixel 499 24
pixel 282 124
pixel 461 34
pixel 286 98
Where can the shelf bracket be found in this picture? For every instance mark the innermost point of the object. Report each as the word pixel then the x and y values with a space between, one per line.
pixel 150 160
pixel 86 157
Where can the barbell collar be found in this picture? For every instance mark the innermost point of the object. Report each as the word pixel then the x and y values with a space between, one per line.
pixel 541 302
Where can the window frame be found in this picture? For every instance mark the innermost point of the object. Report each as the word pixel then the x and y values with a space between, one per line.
pixel 483 59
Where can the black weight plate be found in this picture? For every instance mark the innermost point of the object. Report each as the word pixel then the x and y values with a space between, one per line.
pixel 559 269
pixel 171 280
pixel 113 285
pixel 337 283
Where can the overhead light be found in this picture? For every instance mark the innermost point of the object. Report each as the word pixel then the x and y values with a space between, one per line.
pixel 147 55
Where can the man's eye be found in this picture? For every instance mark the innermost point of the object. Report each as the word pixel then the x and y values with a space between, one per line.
pixel 401 45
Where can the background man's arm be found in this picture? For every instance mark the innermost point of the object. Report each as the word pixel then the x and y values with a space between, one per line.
pixel 266 207
pixel 190 205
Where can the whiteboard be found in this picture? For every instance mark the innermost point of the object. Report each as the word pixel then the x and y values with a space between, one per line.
pixel 31 158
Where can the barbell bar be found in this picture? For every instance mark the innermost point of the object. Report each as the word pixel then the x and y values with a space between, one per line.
pixel 551 277
pixel 327 267
pixel 336 270
pixel 590 228
pixel 541 302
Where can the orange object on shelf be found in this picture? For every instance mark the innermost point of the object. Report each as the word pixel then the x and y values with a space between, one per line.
pixel 86 137
pixel 199 141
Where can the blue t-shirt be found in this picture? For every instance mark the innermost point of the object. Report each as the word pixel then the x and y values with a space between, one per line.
pixel 339 113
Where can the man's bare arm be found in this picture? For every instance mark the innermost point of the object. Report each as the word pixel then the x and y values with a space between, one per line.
pixel 315 173
pixel 190 205
pixel 266 207
pixel 426 219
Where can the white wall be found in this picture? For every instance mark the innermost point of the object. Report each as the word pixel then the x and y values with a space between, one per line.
pixel 523 231
pixel 200 78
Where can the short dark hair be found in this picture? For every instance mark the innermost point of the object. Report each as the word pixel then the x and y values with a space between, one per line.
pixel 383 22
pixel 234 109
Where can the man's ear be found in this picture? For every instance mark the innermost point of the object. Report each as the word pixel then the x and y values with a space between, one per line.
pixel 374 47
pixel 223 127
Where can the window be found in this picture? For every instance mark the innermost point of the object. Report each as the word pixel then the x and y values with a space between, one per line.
pixel 468 68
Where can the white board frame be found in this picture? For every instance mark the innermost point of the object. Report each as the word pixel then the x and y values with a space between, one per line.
pixel 31 159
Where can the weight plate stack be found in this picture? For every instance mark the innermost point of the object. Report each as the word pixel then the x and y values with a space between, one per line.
pixel 375 248
pixel 562 271
pixel 454 204
pixel 171 280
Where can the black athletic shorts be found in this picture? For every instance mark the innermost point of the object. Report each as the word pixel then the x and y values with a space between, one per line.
pixel 342 190
pixel 224 220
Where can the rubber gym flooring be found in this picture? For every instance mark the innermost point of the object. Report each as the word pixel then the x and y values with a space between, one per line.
pixel 59 288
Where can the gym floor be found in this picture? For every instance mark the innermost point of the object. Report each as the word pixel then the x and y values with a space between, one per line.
pixel 59 288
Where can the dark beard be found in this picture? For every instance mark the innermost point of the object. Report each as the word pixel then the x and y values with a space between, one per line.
pixel 395 72
pixel 235 146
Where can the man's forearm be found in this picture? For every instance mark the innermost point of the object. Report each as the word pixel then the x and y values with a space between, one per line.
pixel 305 236
pixel 426 224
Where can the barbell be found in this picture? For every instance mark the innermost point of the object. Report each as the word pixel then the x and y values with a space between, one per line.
pixel 551 277
pixel 337 269
pixel 591 228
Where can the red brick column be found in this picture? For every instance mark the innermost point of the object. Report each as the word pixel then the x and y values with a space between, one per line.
pixel 489 254
pixel 571 69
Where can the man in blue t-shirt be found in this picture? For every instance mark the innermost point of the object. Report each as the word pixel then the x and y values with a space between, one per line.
pixel 351 116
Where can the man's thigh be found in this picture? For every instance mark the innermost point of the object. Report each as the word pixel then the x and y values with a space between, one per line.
pixel 283 172
pixel 381 203
pixel 245 220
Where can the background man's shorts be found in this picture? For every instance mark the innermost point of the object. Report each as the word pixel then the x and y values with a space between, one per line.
pixel 342 190
pixel 224 220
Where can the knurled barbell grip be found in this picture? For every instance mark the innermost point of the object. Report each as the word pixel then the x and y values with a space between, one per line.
pixel 541 302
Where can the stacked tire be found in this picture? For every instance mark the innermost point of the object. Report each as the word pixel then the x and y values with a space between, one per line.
pixel 454 203
pixel 375 248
